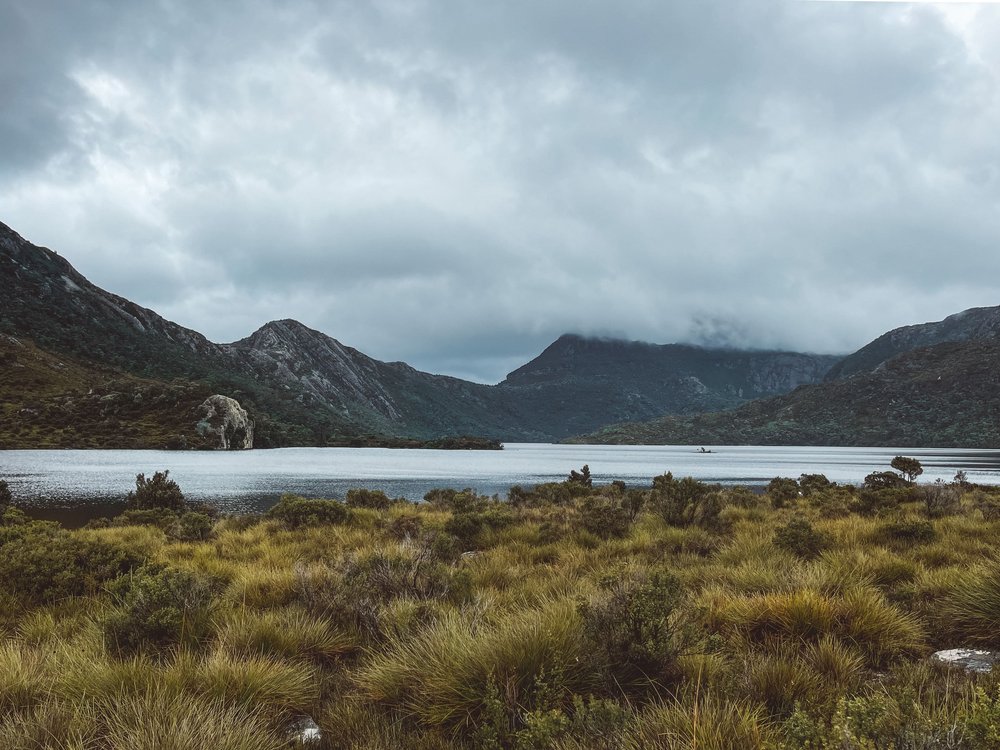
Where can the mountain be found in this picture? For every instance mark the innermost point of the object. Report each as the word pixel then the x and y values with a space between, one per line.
pixel 578 383
pixel 974 324
pixel 303 387
pixel 947 395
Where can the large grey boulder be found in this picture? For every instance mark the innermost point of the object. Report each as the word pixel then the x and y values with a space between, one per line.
pixel 971 660
pixel 228 421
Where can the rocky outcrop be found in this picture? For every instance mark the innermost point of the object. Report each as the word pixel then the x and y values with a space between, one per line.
pixel 971 660
pixel 224 417
pixel 974 324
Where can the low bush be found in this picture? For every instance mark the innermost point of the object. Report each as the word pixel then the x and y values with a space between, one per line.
pixel 41 563
pixel 637 628
pixel 158 607
pixel 605 517
pixel 906 533
pixel 800 538
pixel 159 491
pixel 686 502
pixel 299 512
pixel 782 491
pixel 192 527
pixel 362 498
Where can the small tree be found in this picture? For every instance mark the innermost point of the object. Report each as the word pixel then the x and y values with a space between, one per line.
pixel 158 492
pixel 581 477
pixel 908 467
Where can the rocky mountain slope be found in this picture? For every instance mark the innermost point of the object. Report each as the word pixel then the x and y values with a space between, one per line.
pixel 974 324
pixel 946 395
pixel 302 387
pixel 579 383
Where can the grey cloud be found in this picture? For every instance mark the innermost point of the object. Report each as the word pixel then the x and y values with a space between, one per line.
pixel 455 184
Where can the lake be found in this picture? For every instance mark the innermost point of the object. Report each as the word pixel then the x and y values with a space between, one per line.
pixel 95 481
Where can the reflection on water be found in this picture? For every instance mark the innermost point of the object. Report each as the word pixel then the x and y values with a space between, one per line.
pixel 253 480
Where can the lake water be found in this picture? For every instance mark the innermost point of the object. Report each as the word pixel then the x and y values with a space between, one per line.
pixel 94 481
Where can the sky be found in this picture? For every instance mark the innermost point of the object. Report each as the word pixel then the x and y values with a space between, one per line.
pixel 455 184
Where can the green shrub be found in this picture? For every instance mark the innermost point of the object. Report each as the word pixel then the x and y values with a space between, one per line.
pixel 158 607
pixel 161 518
pixel 906 532
pixel 884 480
pixel 636 627
pixel 5 496
pixel 685 502
pixel 40 563
pixel 604 517
pixel 782 491
pixel 192 527
pixel 362 498
pixel 940 499
pixel 810 484
pixel 299 512
pixel 158 492
pixel 800 538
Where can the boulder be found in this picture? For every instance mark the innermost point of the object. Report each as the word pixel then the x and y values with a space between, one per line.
pixel 224 418
pixel 971 660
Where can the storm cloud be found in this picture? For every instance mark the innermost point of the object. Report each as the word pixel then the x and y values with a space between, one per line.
pixel 455 184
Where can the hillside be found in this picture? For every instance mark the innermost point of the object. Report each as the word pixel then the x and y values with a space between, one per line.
pixel 580 383
pixel 974 324
pixel 303 387
pixel 943 396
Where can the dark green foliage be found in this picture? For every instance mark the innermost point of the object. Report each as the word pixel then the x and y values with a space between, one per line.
pixel 468 525
pixel 800 538
pixel 5 496
pixel 906 532
pixel 908 467
pixel 782 490
pixel 870 502
pixel 884 480
pixel 192 527
pixel 159 607
pixel 636 629
pixel 685 502
pixel 361 498
pixel 581 477
pixel 810 484
pixel 41 563
pixel 162 518
pixel 605 517
pixel 298 512
pixel 159 492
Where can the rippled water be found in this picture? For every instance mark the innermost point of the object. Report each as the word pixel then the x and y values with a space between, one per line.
pixel 253 480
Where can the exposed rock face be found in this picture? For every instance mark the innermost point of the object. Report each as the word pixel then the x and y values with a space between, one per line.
pixel 974 324
pixel 971 660
pixel 224 417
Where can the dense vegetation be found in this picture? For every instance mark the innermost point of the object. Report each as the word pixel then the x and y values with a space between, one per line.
pixel 946 395
pixel 571 616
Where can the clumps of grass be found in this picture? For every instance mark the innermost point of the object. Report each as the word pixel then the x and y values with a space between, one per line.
pixel 905 533
pixel 686 502
pixel 707 722
pixel 287 633
pixel 157 721
pixel 860 615
pixel 970 612
pixel 441 675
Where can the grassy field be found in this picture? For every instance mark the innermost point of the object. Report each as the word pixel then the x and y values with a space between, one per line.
pixel 686 616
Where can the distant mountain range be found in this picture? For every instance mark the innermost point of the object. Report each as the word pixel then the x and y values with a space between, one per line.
pixel 68 340
pixel 935 384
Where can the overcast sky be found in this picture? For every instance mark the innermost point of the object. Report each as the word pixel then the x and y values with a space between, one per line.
pixel 455 184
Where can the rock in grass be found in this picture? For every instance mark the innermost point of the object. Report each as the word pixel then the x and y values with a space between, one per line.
pixel 971 660
pixel 304 731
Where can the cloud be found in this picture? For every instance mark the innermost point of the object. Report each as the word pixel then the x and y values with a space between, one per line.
pixel 456 184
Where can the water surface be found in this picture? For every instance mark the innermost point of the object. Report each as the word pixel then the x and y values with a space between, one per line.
pixel 254 480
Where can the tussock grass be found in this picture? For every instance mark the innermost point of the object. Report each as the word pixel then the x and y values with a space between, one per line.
pixel 440 676
pixel 288 633
pixel 710 723
pixel 155 721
